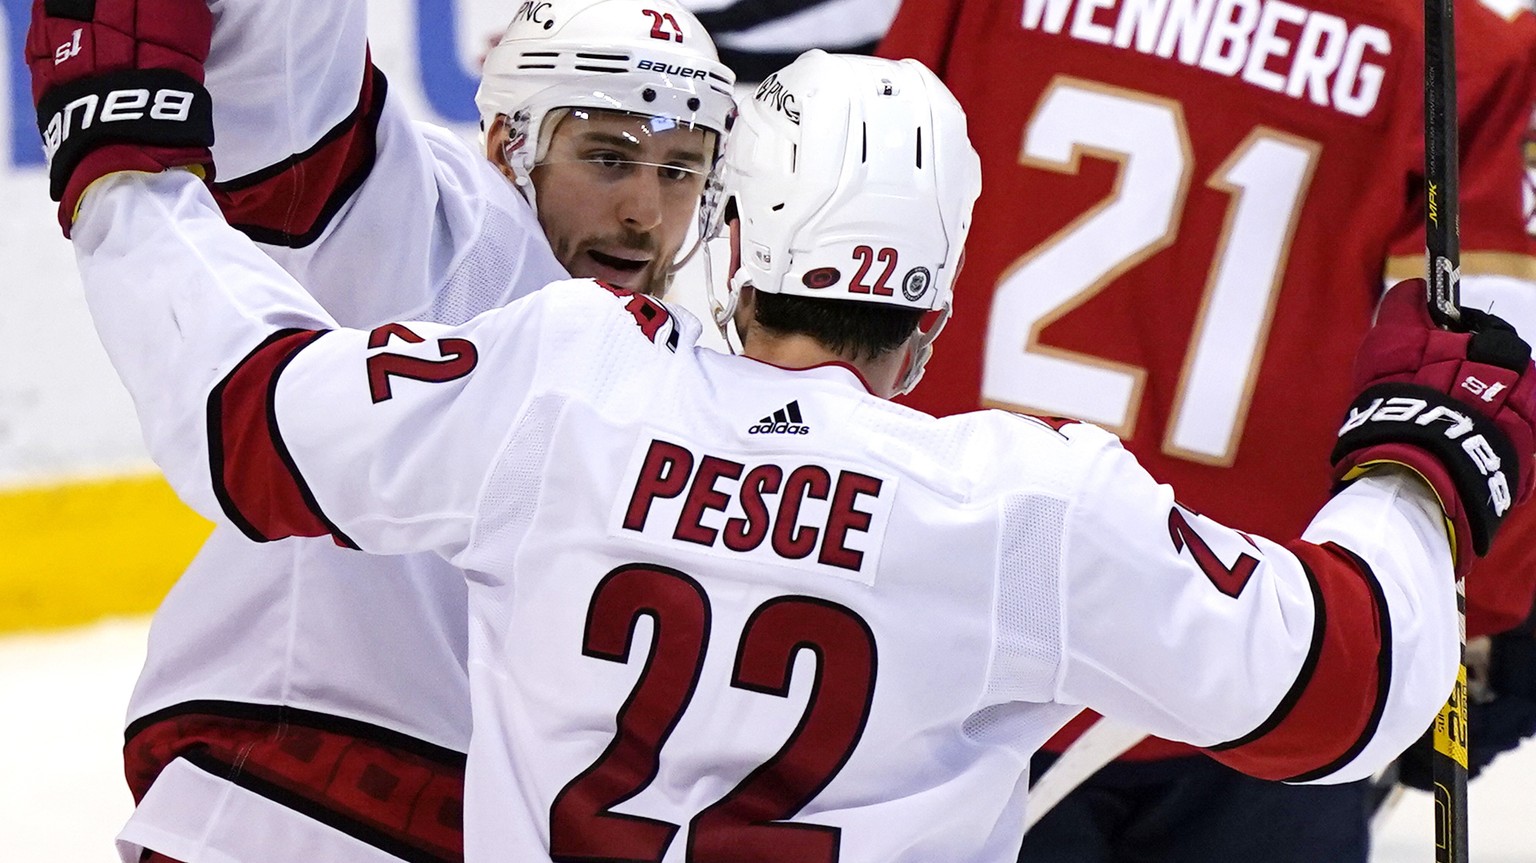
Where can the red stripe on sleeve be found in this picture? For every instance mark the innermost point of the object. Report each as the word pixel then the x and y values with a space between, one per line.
pixel 292 202
pixel 1335 704
pixel 254 478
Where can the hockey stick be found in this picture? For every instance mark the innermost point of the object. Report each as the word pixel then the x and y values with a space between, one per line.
pixel 1442 216
pixel 1103 742
pixel 1441 240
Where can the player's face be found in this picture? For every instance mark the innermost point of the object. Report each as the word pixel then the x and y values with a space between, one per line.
pixel 617 193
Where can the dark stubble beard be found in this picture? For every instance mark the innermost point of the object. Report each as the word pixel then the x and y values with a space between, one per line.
pixel 658 273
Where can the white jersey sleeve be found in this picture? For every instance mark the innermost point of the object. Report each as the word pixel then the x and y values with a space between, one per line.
pixel 1335 705
pixel 283 75
pixel 380 217
pixel 258 409
pixel 158 262
pixel 424 428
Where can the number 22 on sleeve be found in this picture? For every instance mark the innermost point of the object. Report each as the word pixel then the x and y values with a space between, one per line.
pixel 1266 177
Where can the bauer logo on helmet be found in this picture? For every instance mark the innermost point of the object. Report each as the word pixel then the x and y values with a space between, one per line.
pixel 670 69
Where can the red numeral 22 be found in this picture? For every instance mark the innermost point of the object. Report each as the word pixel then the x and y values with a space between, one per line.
pixel 458 359
pixel 745 824
pixel 866 257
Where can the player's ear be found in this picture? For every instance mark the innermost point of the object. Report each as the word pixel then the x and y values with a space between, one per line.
pixel 733 227
pixel 746 312
pixel 496 145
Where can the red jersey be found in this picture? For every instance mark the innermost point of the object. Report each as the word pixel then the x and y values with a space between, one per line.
pixel 1187 214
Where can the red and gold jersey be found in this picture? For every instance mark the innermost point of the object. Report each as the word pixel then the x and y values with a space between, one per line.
pixel 1188 209
pixel 1187 214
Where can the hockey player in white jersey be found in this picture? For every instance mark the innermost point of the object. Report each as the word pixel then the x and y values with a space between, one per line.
pixel 280 675
pixel 832 637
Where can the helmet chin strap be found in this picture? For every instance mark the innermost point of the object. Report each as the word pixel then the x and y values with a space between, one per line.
pixel 921 352
pixel 724 310
pixel 521 161
pixel 738 282
pixel 521 180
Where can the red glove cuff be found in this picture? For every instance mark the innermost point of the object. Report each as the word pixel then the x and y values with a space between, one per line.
pixel 111 158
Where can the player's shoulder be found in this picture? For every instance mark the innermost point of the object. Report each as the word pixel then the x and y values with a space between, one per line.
pixel 1052 436
pixel 1503 31
pixel 591 317
pixel 1495 62
pixel 1473 18
pixel 467 179
pixel 995 452
pixel 1490 34
pixel 455 156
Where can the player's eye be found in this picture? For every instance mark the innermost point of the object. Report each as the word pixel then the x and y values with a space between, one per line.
pixel 608 161
pixel 676 173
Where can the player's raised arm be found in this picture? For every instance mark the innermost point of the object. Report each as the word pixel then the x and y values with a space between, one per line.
pixel 292 83
pixel 259 411
pixel 1350 631
pixel 322 165
pixel 161 267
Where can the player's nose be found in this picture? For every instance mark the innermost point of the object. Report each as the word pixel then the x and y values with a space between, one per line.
pixel 640 201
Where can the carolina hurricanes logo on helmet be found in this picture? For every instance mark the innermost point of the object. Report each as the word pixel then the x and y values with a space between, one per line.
pixel 821 277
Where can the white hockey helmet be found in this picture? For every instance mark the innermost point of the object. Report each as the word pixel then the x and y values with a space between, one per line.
pixel 645 57
pixel 854 179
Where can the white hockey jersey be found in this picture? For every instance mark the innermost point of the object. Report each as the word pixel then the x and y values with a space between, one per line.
pixel 721 609
pixel 385 219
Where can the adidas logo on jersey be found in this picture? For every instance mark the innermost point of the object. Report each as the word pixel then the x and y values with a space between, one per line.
pixel 785 420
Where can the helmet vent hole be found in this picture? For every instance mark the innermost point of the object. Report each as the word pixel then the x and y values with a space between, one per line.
pixel 919 148
pixel 777 207
pixel 864 151
pixel 694 103
pixel 648 94
pixel 617 58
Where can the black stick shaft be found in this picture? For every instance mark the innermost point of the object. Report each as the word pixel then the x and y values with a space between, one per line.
pixel 1442 226
pixel 1448 765
pixel 1442 222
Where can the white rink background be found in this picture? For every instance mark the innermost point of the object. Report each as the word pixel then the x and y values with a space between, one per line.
pixel 62 797
pixel 63 416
